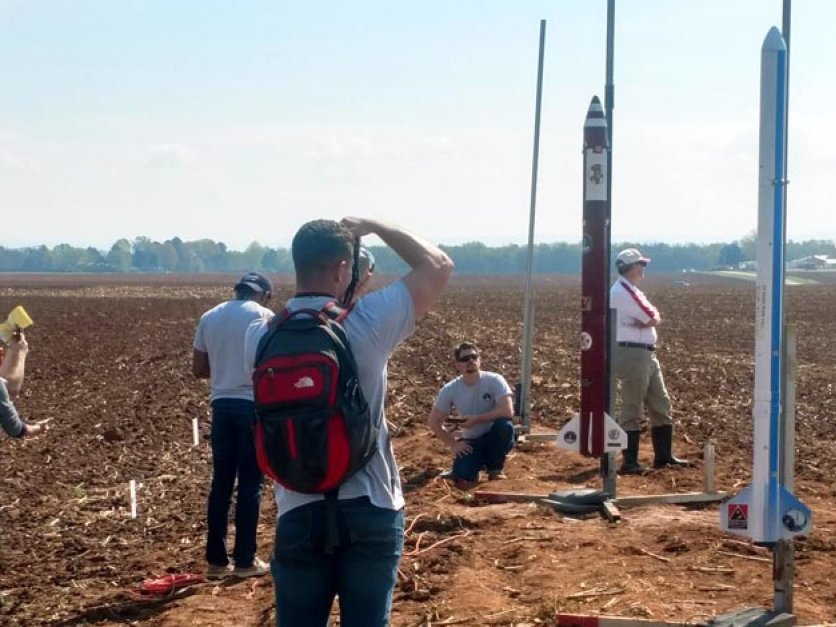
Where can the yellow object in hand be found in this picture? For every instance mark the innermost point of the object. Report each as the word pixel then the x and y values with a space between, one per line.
pixel 18 319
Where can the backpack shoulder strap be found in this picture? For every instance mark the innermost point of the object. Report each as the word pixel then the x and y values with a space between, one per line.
pixel 337 312
pixel 272 326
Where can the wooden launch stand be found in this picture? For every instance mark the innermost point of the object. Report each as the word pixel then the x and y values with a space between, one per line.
pixel 611 506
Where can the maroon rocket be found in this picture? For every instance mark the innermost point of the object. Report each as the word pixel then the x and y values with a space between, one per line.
pixel 593 432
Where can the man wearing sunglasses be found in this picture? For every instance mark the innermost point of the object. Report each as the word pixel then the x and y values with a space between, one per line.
pixel 481 404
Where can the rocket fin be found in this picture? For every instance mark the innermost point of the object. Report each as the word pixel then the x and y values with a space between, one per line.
pixel 735 514
pixel 790 517
pixel 568 437
pixel 796 517
pixel 615 437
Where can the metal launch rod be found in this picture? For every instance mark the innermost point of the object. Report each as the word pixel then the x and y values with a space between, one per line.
pixel 528 319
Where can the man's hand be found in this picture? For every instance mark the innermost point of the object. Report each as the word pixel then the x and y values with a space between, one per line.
pixel 467 422
pixel 358 226
pixel 18 341
pixel 644 325
pixel 36 428
pixel 461 448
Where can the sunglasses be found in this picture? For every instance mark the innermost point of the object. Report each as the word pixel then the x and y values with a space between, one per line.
pixel 466 358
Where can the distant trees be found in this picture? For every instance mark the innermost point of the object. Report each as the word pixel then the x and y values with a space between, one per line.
pixel 748 245
pixel 731 254
pixel 119 259
pixel 205 255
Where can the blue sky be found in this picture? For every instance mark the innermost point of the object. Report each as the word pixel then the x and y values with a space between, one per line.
pixel 240 121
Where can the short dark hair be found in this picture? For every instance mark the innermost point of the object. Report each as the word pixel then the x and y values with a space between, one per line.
pixel 457 352
pixel 320 243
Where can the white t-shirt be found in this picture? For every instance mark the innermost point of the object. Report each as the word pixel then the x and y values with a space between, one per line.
pixel 632 305
pixel 378 323
pixel 220 334
pixel 479 398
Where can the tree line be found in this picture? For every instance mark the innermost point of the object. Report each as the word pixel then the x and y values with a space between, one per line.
pixel 205 255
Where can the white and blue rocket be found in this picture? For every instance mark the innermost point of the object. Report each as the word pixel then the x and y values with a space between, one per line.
pixel 766 511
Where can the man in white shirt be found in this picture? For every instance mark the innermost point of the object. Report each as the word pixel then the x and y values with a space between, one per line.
pixel 219 356
pixel 363 566
pixel 636 367
pixel 484 405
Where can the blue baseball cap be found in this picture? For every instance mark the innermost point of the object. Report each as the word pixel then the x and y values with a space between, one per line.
pixel 255 281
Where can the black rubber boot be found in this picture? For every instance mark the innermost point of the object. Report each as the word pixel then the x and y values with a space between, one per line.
pixel 630 456
pixel 662 444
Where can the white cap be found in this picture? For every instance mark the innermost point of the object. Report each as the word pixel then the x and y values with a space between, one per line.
pixel 629 256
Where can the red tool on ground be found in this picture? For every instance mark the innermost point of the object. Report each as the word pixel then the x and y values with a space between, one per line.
pixel 167 585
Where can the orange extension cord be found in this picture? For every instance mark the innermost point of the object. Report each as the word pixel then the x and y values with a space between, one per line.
pixel 167 585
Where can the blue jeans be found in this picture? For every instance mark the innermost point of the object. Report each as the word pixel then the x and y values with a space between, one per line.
pixel 362 569
pixel 233 453
pixel 489 451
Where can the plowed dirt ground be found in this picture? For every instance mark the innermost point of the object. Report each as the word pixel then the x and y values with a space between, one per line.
pixel 110 363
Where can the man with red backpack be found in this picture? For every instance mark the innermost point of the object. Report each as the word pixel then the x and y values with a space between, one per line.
pixel 320 385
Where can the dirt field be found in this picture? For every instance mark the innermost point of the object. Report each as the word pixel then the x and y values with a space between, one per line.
pixel 110 362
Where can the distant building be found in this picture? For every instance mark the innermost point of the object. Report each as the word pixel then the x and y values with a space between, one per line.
pixel 813 262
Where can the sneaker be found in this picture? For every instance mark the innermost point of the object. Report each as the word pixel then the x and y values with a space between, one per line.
pixel 216 571
pixel 496 475
pixel 258 568
pixel 464 484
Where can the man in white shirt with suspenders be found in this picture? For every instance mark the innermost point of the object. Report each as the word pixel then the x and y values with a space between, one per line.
pixel 637 368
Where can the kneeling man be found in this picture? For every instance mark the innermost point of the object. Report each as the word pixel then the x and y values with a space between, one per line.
pixel 482 405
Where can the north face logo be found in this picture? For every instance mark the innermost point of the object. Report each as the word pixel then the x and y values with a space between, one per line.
pixel 304 382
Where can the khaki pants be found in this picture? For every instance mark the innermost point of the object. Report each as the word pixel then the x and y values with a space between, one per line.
pixel 640 382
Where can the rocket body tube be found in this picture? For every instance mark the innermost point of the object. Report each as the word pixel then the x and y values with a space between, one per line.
pixel 592 433
pixel 765 511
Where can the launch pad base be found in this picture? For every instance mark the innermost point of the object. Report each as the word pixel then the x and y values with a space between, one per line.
pixel 679 499
pixel 624 501
pixel 753 617
pixel 527 436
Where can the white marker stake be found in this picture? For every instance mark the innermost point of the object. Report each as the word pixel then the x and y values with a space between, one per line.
pixel 132 485
pixel 195 432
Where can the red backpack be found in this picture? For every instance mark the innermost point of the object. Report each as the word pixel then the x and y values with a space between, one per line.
pixel 313 425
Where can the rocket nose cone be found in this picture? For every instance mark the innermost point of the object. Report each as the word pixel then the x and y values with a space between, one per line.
pixel 595 111
pixel 774 40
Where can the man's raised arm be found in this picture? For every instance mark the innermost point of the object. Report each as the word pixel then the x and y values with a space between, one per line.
pixel 430 266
